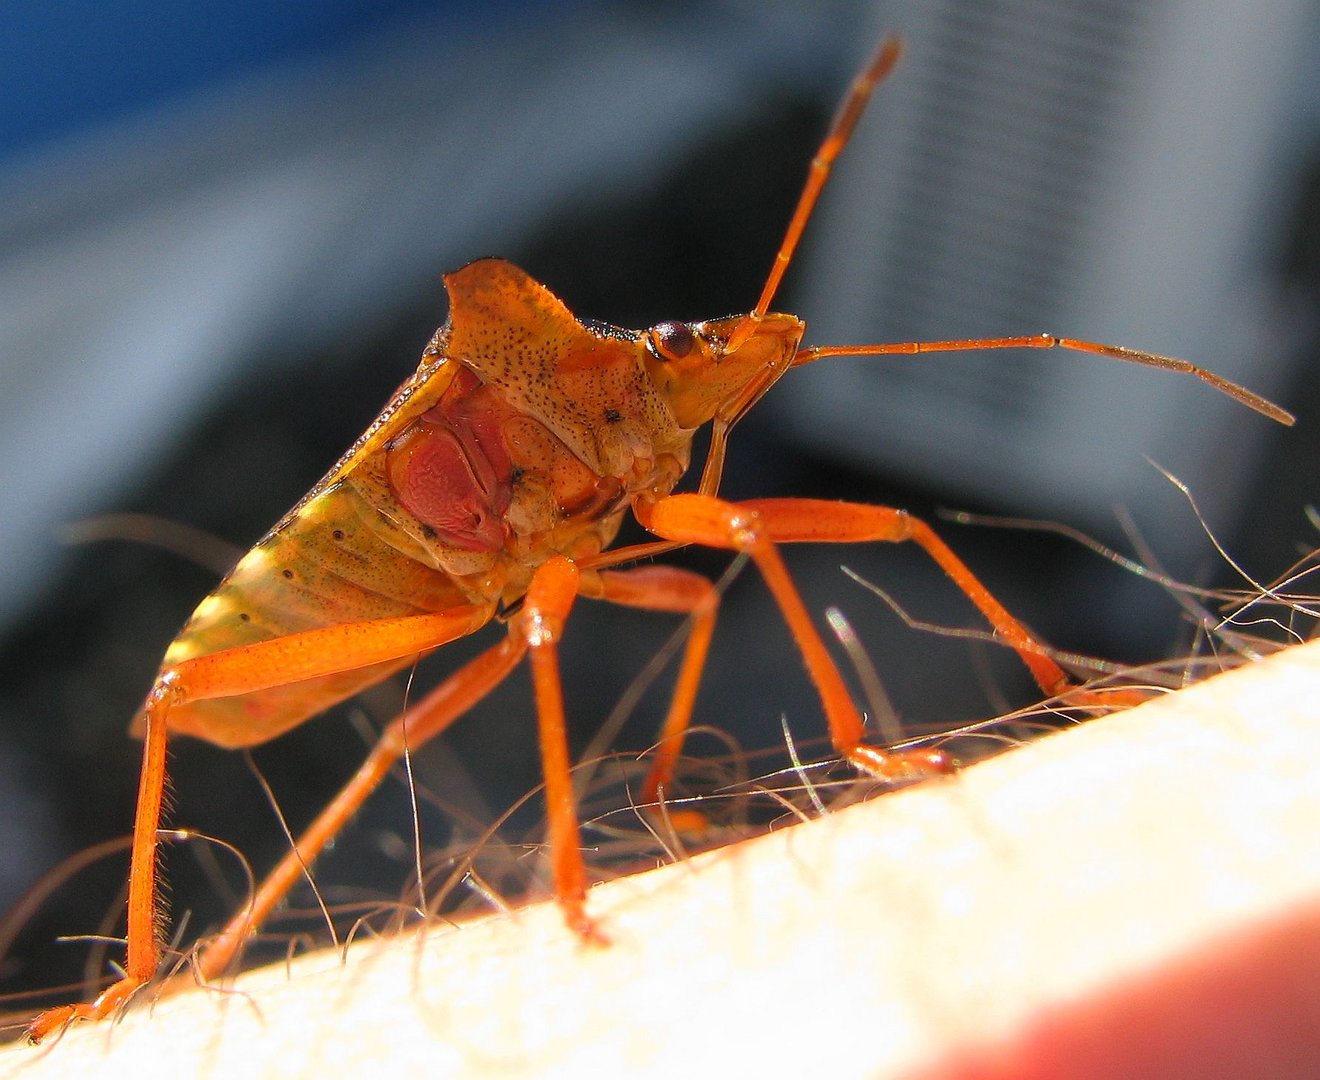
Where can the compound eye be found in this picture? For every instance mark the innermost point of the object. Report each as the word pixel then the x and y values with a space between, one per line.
pixel 671 340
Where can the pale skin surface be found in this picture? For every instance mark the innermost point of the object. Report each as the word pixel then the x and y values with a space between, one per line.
pixel 1136 897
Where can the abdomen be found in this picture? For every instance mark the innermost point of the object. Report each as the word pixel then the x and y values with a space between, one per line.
pixel 336 559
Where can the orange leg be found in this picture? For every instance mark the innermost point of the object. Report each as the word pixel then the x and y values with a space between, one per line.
pixel 758 525
pixel 791 520
pixel 305 655
pixel 669 588
pixel 538 626
pixel 795 520
pixel 549 599
pixel 420 723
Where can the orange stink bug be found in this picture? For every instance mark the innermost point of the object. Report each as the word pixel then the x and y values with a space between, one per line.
pixel 490 487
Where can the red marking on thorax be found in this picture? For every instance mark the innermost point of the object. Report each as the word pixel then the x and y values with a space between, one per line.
pixel 451 468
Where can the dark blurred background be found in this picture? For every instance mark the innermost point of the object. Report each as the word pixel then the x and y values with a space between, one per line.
pixel 221 238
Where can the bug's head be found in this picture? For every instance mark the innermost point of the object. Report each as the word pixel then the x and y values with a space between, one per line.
pixel 701 378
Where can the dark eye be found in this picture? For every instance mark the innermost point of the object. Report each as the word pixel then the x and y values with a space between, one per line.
pixel 671 340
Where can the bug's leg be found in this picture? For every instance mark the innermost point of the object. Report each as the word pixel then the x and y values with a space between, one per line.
pixel 304 655
pixel 143 929
pixel 820 520
pixel 549 599
pixel 668 588
pixel 758 525
pixel 823 521
pixel 420 723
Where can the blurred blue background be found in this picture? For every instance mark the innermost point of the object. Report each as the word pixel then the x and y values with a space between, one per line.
pixel 221 237
pixel 70 67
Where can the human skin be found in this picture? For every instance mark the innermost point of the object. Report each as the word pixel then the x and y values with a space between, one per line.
pixel 1138 896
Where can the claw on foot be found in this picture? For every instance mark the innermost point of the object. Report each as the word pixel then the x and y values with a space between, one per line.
pixel 901 766
pixel 587 929
pixel 1108 698
pixel 110 999
pixel 686 823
